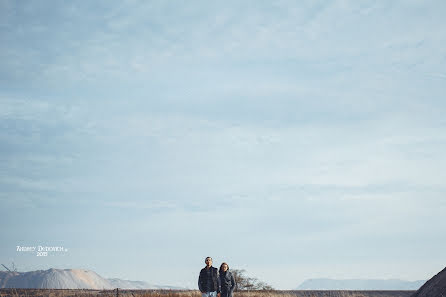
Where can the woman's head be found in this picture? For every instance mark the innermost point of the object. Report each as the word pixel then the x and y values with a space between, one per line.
pixel 224 266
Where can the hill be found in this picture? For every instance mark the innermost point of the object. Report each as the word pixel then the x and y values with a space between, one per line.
pixel 435 287
pixel 54 279
pixel 69 279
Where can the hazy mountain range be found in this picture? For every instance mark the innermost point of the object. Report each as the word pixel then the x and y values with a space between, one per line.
pixel 359 284
pixel 87 279
pixel 69 279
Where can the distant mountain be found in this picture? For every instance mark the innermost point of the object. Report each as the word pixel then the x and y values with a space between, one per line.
pixel 128 284
pixel 54 279
pixel 69 279
pixel 359 284
pixel 435 287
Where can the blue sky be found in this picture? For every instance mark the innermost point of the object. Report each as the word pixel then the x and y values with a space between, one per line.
pixel 293 140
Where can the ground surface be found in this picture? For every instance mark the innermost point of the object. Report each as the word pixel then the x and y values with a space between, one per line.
pixel 175 293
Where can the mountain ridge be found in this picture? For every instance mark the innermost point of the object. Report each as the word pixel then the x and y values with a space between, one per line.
pixel 359 284
pixel 69 279
pixel 434 287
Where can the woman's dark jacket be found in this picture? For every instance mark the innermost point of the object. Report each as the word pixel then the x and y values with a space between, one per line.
pixel 227 283
pixel 208 281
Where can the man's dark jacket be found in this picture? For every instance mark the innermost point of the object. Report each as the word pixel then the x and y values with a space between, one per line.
pixel 203 281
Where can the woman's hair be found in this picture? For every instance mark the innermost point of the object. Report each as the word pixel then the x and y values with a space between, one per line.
pixel 221 266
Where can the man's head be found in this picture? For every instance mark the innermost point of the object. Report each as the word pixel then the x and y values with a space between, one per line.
pixel 208 261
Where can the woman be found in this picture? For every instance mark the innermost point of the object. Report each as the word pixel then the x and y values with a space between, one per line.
pixel 227 280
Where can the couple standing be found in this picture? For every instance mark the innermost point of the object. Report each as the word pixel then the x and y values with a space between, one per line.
pixel 214 283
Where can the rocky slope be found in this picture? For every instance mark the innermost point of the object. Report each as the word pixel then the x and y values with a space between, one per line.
pixel 435 287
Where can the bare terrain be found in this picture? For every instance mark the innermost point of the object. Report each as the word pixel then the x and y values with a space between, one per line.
pixel 184 293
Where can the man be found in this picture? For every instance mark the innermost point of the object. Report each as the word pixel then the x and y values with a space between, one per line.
pixel 209 280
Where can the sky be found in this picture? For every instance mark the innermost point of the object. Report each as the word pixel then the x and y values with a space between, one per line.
pixel 294 140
